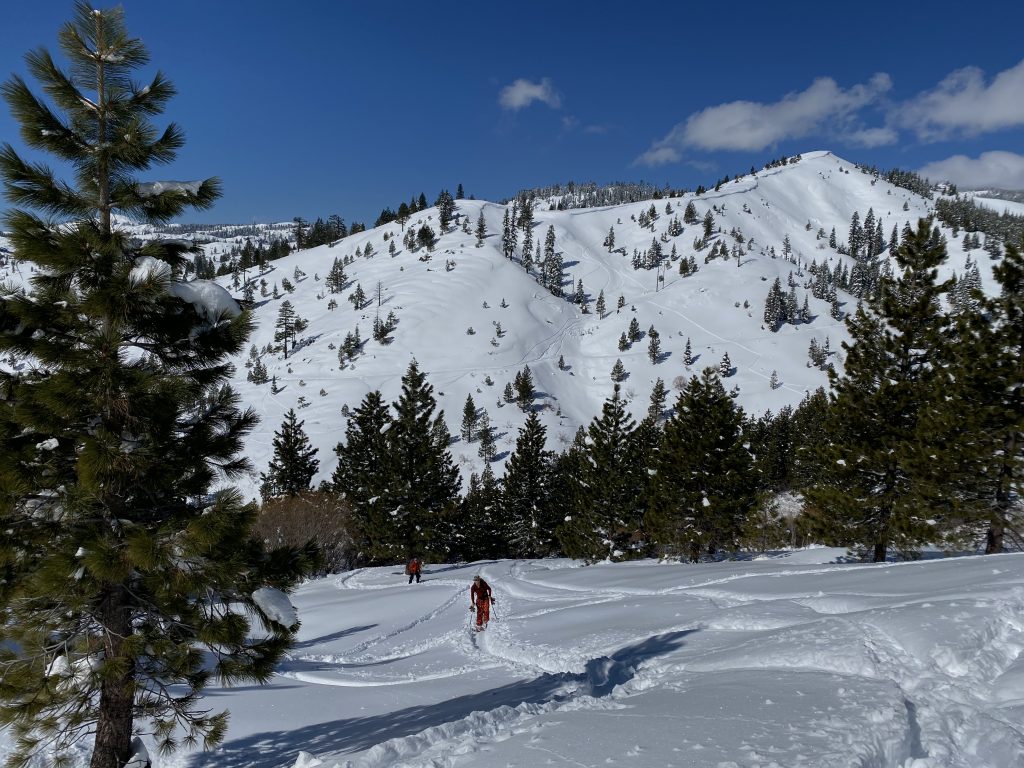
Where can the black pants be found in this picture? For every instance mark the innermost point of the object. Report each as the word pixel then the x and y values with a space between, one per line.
pixel 414 575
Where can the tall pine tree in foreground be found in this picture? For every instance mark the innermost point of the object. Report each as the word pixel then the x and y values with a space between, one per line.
pixel 120 569
pixel 875 490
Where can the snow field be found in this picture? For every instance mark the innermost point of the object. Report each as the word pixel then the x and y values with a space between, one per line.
pixel 789 660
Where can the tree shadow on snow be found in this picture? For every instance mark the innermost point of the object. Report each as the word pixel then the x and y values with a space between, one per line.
pixel 600 677
pixel 333 636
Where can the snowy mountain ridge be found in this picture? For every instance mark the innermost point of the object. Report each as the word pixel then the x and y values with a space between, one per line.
pixel 472 318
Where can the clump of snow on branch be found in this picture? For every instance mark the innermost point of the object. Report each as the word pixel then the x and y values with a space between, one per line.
pixel 154 188
pixel 210 300
pixel 275 605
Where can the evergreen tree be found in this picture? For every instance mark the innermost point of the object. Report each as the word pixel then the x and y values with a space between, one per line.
pixel 470 417
pixel 658 397
pixel 426 238
pixel 620 303
pixel 284 326
pixel 725 366
pixel 618 372
pixel 874 493
pixel 425 482
pixel 623 342
pixel 363 475
pixel 703 485
pixel 293 465
pixel 634 330
pixel 481 229
pixel 114 428
pixel 524 388
pixel 357 297
pixel 981 447
pixel 774 306
pixel 690 213
pixel 527 496
pixel 600 306
pixel 688 354
pixel 609 241
pixel 607 489
pixel 654 346
pixel 480 531
pixel 488 446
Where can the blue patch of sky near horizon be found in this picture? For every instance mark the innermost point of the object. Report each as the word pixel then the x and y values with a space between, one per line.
pixel 323 107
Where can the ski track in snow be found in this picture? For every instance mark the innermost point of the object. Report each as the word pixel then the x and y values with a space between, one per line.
pixel 854 628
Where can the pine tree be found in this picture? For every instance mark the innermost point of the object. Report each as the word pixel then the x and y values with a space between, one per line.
pixel 774 306
pixel 293 465
pixel 725 366
pixel 470 417
pixel 358 297
pixel 688 354
pixel 654 346
pixel 609 241
pixel 488 446
pixel 524 388
pixel 608 488
pixel 528 487
pixel 115 430
pixel 634 330
pixel 506 394
pixel 600 306
pixel 481 229
pixel 618 372
pixel 481 516
pixel 659 394
pixel 363 475
pixel 623 342
pixel 703 486
pixel 980 449
pixel 620 303
pixel 421 497
pixel 284 326
pixel 874 493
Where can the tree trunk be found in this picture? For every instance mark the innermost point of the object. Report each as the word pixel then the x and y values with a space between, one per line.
pixel 880 549
pixel 116 712
pixel 994 539
pixel 1004 485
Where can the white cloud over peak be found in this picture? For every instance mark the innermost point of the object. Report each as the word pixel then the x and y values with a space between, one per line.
pixel 522 93
pixel 964 104
pixel 991 170
pixel 754 125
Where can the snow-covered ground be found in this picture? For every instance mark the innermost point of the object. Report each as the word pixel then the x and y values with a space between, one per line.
pixel 791 660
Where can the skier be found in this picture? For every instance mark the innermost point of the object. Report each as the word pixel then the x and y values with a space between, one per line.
pixel 480 599
pixel 413 570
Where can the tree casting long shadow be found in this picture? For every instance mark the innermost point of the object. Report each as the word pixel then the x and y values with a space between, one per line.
pixel 600 677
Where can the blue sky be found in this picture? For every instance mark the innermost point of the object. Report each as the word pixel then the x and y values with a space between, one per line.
pixel 312 108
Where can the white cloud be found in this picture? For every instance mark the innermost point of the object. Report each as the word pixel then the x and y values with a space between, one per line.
pixel 962 103
pixel 522 93
pixel 659 156
pixel 754 125
pixel 872 137
pixel 992 170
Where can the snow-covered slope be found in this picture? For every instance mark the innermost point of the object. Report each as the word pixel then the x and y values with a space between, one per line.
pixel 438 299
pixel 720 309
pixel 790 661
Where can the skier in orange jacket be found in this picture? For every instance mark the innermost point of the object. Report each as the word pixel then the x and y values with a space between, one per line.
pixel 413 570
pixel 480 599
